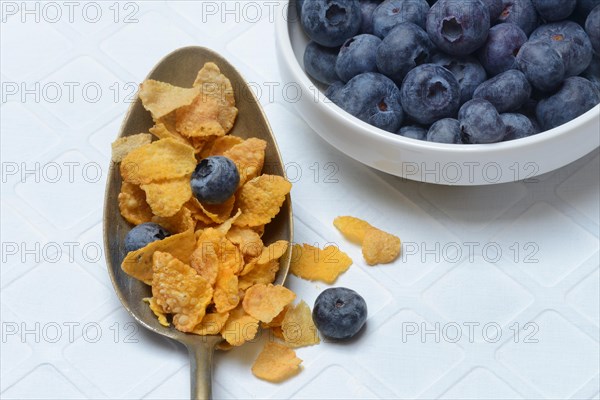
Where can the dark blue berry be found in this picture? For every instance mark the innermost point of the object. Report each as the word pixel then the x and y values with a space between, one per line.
pixel 143 234
pixel 480 122
pixel 373 98
pixel 495 9
pixel 498 54
pixel 521 13
pixel 331 22
pixel 445 130
pixel 215 180
pixel 430 92
pixel 517 126
pixel 584 7
pixel 319 62
pixel 413 132
pixel 467 70
pixel 405 47
pixel 592 27
pixel 592 73
pixel 554 10
pixel 576 96
pixel 366 9
pixel 458 27
pixel 507 91
pixel 333 90
pixel 393 12
pixel 339 313
pixel 357 55
pixel 542 65
pixel 570 41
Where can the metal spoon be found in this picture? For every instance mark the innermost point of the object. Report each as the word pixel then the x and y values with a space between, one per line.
pixel 180 68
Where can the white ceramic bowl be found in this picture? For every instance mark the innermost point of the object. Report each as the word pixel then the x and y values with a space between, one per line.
pixel 423 161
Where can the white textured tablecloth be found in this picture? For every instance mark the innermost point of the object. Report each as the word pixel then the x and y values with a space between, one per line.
pixel 496 295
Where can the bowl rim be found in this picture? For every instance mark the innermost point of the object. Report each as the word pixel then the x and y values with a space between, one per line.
pixel 282 34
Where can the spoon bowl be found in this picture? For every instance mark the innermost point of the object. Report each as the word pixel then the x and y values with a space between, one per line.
pixel 180 68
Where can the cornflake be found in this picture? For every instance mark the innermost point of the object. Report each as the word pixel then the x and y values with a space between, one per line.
pixel 276 362
pixel 312 263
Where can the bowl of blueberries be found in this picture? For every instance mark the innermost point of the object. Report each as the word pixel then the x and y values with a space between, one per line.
pixel 456 92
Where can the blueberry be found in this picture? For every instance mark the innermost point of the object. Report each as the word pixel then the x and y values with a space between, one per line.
pixel 495 9
pixel 576 96
pixel 356 56
pixel 480 122
pixel 215 180
pixel 143 234
pixel 319 62
pixel 554 10
pixel 498 54
pixel 584 7
pixel 413 132
pixel 445 130
pixel 339 313
pixel 542 65
pixel 517 126
pixel 507 91
pixel 372 98
pixel 521 13
pixel 430 92
pixel 366 9
pixel 570 41
pixel 592 73
pixel 458 27
pixel 405 47
pixel 393 12
pixel 333 90
pixel 467 70
pixel 331 22
pixel 592 27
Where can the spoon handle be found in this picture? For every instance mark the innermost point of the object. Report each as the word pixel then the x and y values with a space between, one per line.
pixel 201 355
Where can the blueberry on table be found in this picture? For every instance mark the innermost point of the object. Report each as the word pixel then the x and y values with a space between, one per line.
pixel 319 62
pixel 430 92
pixel 393 12
pixel 143 234
pixel 521 13
pixel 576 96
pixel 569 39
pixel 446 130
pixel 592 28
pixel 507 91
pixel 413 132
pixel 480 122
pixel 404 48
pixel 498 54
pixel 517 126
pixel 215 180
pixel 339 313
pixel 458 27
pixel 467 70
pixel 542 65
pixel 356 56
pixel 331 22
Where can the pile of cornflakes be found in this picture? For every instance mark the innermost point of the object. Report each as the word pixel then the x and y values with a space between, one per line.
pixel 213 275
